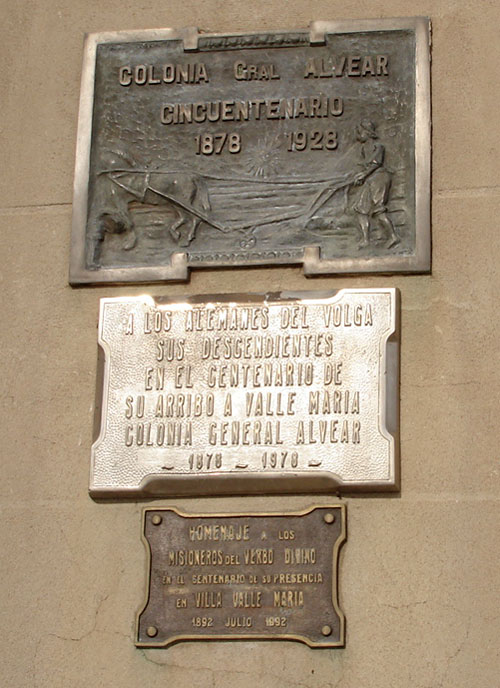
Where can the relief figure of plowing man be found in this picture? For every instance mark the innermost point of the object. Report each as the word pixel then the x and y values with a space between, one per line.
pixel 375 181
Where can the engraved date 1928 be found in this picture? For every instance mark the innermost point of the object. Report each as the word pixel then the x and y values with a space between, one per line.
pixel 314 140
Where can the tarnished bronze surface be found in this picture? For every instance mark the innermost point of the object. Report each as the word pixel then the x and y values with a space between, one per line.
pixel 243 576
pixel 281 392
pixel 205 150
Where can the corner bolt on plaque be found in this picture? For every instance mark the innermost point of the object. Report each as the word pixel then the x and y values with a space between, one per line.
pixel 243 576
pixel 201 150
pixel 286 392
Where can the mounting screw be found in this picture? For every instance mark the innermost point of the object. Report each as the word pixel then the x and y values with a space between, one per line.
pixel 329 517
pixel 151 631
pixel 156 520
pixel 326 630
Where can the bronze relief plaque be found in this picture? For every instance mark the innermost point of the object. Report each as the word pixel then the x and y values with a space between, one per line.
pixel 284 392
pixel 243 576
pixel 202 150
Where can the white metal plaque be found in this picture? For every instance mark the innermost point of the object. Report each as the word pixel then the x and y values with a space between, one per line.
pixel 248 393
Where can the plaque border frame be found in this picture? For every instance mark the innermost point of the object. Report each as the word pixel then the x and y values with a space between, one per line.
pixel 339 542
pixel 178 269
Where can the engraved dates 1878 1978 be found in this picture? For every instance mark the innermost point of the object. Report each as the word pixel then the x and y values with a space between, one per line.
pixel 202 150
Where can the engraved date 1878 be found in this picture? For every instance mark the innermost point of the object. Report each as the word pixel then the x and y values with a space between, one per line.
pixel 207 144
pixel 200 461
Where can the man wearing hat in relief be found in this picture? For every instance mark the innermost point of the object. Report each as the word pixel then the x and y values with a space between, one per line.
pixel 376 182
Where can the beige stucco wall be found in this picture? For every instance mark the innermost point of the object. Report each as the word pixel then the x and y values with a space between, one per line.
pixel 420 572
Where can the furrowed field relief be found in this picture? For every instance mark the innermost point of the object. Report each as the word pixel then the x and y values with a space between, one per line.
pixel 200 150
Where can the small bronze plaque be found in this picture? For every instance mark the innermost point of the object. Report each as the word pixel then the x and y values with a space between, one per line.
pixel 243 576
pixel 248 393
pixel 201 150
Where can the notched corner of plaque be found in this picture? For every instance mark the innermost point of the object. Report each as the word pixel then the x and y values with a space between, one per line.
pixel 175 270
pixel 144 605
pixel 393 342
pixel 90 40
pixel 339 543
pixel 77 277
pixel 190 35
pixel 178 270
pixel 99 393
pixel 392 394
pixel 312 263
pixel 317 32
pixel 100 409
pixel 424 22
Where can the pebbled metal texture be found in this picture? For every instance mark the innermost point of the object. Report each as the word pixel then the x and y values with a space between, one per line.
pixel 285 392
